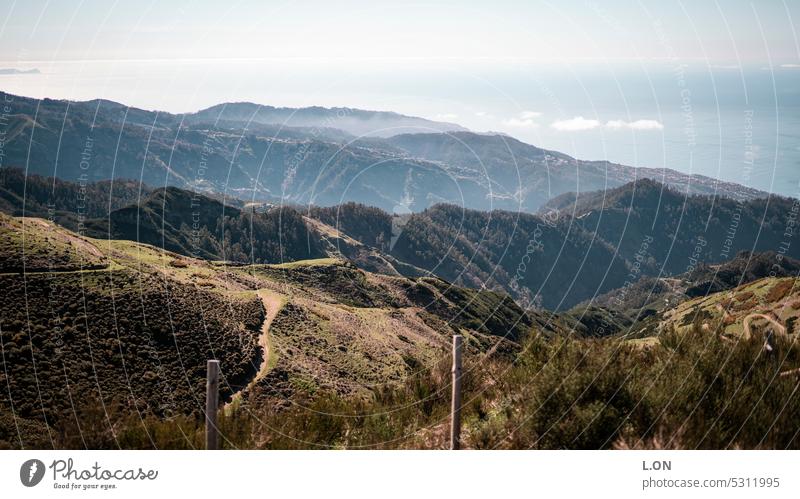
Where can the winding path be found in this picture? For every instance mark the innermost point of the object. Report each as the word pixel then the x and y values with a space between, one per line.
pixel 273 302
pixel 746 324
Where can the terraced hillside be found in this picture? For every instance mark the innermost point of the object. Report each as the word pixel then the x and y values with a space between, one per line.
pixel 766 305
pixel 617 311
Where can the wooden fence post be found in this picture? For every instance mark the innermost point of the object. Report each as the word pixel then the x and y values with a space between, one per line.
pixel 455 408
pixel 212 403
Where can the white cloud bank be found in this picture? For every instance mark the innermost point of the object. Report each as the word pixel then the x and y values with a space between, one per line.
pixel 635 125
pixel 579 123
pixel 575 124
pixel 524 119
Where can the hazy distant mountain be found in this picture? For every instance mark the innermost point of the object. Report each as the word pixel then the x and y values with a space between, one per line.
pixel 354 121
pixel 522 176
pixel 99 140
pixel 220 150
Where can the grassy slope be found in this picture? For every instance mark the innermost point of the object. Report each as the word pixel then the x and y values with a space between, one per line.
pixel 132 333
pixel 35 245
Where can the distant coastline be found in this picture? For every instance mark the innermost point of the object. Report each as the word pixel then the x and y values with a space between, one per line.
pixel 15 71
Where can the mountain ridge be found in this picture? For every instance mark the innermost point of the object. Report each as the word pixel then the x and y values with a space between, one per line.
pixel 321 165
pixel 555 261
pixel 358 122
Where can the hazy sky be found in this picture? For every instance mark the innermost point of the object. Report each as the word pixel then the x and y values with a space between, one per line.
pixel 720 32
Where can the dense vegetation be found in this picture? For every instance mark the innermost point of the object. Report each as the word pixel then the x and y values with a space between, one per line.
pixel 67 203
pixel 650 295
pixel 689 391
pixel 672 232
pixel 104 342
pixel 366 224
pixel 607 241
pixel 589 247
pixel 118 338
pixel 198 226
pixel 94 330
pixel 540 263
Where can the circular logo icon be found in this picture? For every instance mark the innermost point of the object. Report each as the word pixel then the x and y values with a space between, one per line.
pixel 31 472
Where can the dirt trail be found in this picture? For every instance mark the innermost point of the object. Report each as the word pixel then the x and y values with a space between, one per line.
pixel 273 302
pixel 746 324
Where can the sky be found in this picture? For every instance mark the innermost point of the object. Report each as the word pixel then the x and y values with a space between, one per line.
pixel 720 32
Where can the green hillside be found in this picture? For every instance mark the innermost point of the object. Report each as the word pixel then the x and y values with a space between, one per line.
pixel 126 328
